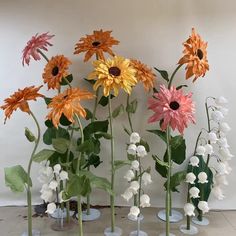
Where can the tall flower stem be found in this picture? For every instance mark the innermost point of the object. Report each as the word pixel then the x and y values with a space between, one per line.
pixel 168 182
pixel 77 172
pixel 29 197
pixel 173 75
pixel 43 55
pixel 92 120
pixel 112 197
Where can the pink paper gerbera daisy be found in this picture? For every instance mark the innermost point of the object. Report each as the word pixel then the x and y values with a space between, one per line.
pixel 173 107
pixel 35 43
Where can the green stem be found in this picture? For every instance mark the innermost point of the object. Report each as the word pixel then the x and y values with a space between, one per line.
pixel 128 113
pixel 173 75
pixel 140 181
pixel 77 172
pixel 168 182
pixel 43 55
pixel 209 130
pixel 112 198
pixel 188 201
pixel 29 197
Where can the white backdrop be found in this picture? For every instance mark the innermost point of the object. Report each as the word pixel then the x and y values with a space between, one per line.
pixel 152 31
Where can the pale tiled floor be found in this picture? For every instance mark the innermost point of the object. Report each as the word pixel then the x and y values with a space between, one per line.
pixel 13 222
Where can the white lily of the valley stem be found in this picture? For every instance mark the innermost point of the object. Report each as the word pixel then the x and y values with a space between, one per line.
pixel 189 209
pixel 134 138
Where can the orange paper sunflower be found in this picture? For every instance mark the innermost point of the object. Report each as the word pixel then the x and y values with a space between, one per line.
pixel 195 56
pixel 55 70
pixel 20 100
pixel 144 74
pixel 114 74
pixel 97 43
pixel 68 103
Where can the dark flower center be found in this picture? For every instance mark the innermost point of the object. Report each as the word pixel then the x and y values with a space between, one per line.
pixel 174 105
pixel 55 71
pixel 96 43
pixel 65 96
pixel 200 54
pixel 115 71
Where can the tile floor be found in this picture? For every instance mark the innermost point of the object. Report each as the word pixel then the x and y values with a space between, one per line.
pixel 13 221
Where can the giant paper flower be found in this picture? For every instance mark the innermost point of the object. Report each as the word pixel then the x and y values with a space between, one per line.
pixel 114 74
pixel 195 56
pixel 97 43
pixel 68 103
pixel 55 70
pixel 144 74
pixel 20 100
pixel 173 107
pixel 33 45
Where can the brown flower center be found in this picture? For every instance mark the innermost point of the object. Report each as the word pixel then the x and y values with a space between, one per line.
pixel 200 54
pixel 55 71
pixel 65 96
pixel 115 71
pixel 96 43
pixel 174 105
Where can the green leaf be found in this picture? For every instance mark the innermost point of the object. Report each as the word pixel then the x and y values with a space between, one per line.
pixel 94 127
pixel 60 144
pixel 29 135
pixel 69 79
pixel 52 133
pixel 43 155
pixel 118 111
pixel 48 123
pixel 47 100
pixel 176 180
pixel 93 160
pixel 86 147
pixel 104 100
pixel 159 161
pixel 132 107
pixel 99 135
pixel 120 163
pixel 91 81
pixel 131 157
pixel 178 149
pixel 159 133
pixel 162 170
pixel 89 114
pixel 16 178
pixel 181 86
pixel 163 73
pixel 64 121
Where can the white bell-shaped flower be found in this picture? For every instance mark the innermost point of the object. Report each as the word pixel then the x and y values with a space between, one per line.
pixel 47 194
pixel 146 178
pixel 57 169
pixel 202 178
pixel 135 165
pixel 129 175
pixel 223 110
pixel 51 207
pixel 190 178
pixel 217 192
pixel 217 116
pixel 208 149
pixel 63 175
pixel 53 185
pixel 145 201
pixel 212 137
pixel 194 192
pixel 221 101
pixel 127 195
pixel 134 138
pixel 194 161
pixel 220 180
pixel 203 206
pixel 223 168
pixel 134 187
pixel 132 149
pixel 222 142
pixel 141 151
pixel 225 154
pixel 200 150
pixel 224 127
pixel 189 209
pixel 134 213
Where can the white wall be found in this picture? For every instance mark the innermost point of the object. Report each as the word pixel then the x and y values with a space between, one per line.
pixel 150 30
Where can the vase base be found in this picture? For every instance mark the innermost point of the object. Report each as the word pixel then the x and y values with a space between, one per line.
pixel 136 233
pixel 204 221
pixel 59 213
pixel 35 232
pixel 164 234
pixel 61 225
pixel 174 218
pixel 141 217
pixel 116 232
pixel 94 215
pixel 192 231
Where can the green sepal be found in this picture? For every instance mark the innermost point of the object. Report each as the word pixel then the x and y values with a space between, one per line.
pixel 118 111
pixel 132 107
pixel 29 135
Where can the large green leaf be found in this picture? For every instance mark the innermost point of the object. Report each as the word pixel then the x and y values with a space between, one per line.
pixel 16 178
pixel 52 133
pixel 87 146
pixel 64 121
pixel 118 111
pixel 92 160
pixel 43 155
pixel 178 149
pixel 176 180
pixel 89 114
pixel 132 107
pixel 163 73
pixel 104 100
pixel 99 135
pixel 161 169
pixel 60 144
pixel 94 127
pixel 159 133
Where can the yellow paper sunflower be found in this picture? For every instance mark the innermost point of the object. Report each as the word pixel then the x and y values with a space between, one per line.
pixel 144 74
pixel 114 74
pixel 195 56
pixel 68 103
pixel 55 70
pixel 97 43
